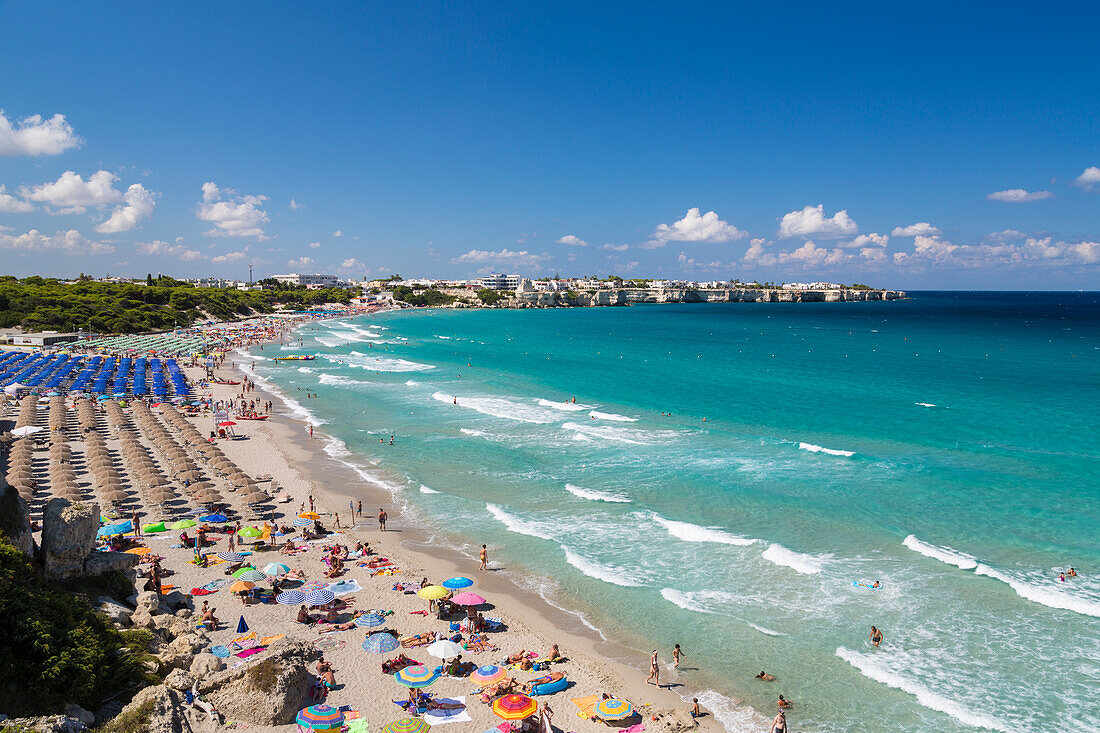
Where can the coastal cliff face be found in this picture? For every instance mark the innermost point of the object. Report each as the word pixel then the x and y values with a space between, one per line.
pixel 611 297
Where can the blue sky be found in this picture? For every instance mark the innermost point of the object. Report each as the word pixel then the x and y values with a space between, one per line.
pixel 931 145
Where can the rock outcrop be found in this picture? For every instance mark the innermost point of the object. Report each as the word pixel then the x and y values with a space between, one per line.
pixel 15 518
pixel 156 709
pixel 270 691
pixel 68 537
pixel 45 724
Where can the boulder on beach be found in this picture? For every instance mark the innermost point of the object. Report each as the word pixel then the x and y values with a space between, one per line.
pixel 269 691
pixel 45 724
pixel 15 518
pixel 68 537
pixel 156 709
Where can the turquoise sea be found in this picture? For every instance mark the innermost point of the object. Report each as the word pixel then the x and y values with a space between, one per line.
pixel 728 471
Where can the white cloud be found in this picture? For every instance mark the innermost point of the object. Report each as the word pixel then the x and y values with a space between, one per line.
pixel 139 205
pixel 232 215
pixel 229 257
pixel 921 228
pixel 71 194
pixel 352 264
pixel 694 228
pixel 70 242
pixel 1019 196
pixel 300 262
pixel 807 257
pixel 811 221
pixel 314 245
pixel 11 205
pixel 338 233
pixel 522 258
pixel 36 136
pixel 867 240
pixel 615 247
pixel 690 263
pixel 1089 179
pixel 570 239
pixel 160 248
pixel 294 205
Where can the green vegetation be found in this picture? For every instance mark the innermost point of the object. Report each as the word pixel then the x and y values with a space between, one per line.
pixel 131 721
pixel 491 297
pixel 264 675
pixel 430 296
pixel 56 648
pixel 36 303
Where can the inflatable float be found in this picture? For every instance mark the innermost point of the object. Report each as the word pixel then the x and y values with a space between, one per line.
pixel 548 688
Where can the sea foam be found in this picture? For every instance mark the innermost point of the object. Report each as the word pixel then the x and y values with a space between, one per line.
pixel 611 416
pixel 599 571
pixel 1051 597
pixel 617 435
pixel 499 407
pixel 425 490
pixel 360 360
pixel 871 667
pixel 594 495
pixel 517 525
pixel 943 554
pixel 798 561
pixel 829 451
pixel 564 406
pixel 689 532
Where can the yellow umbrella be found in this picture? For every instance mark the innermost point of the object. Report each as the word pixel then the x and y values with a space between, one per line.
pixel 314 516
pixel 242 586
pixel 432 592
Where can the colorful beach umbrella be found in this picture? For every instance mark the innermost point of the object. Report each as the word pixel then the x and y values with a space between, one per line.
pixel 406 725
pixel 250 532
pixel 241 571
pixel 369 621
pixel 230 556
pixel 457 583
pixel 380 643
pixel 320 597
pixel 276 569
pixel 311 516
pixel 614 709
pixel 214 518
pixel 319 717
pixel 514 707
pixel 242 586
pixel 291 597
pixel 432 592
pixel 253 576
pixel 184 524
pixel 488 675
pixel 242 627
pixel 468 599
pixel 416 676
pixel 301 522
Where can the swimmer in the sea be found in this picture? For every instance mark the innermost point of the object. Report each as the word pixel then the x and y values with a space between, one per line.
pixel 877 585
pixel 765 676
pixel 876 636
pixel 1072 573
pixel 783 703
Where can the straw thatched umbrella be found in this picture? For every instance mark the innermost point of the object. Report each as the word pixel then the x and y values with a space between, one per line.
pixel 115 496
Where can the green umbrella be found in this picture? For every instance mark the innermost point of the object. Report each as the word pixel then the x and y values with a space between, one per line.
pixel 250 532
pixel 184 524
pixel 242 571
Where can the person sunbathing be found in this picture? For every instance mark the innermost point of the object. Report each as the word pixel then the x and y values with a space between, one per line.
pixel 397 664
pixel 458 668
pixel 517 657
pixel 503 687
pixel 418 639
pixel 303 616
pixel 287 548
pixel 555 654
pixel 438 705
pixel 295 575
pixel 529 687
pixel 337 627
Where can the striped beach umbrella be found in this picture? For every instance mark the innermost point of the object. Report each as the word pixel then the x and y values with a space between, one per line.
pixel 432 592
pixel 291 598
pixel 276 569
pixel 230 556
pixel 300 522
pixel 319 717
pixel 380 643
pixel 457 583
pixel 514 707
pixel 369 621
pixel 254 576
pixel 614 709
pixel 320 597
pixel 406 725
pixel 241 571
pixel 416 675
pixel 487 675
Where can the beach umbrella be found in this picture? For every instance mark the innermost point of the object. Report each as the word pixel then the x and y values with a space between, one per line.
pixel 242 627
pixel 312 516
pixel 381 643
pixel 432 592
pixel 255 497
pixel 487 675
pixel 416 676
pixel 250 532
pixel 214 518
pixel 25 431
pixel 406 725
pixel 254 576
pixel 197 513
pixel 369 621
pixel 276 569
pixel 115 496
pixel 468 599
pixel 184 524
pixel 226 424
pixel 445 649
pixel 242 586
pixel 291 597
pixel 227 556
pixel 320 597
pixel 514 707
pixel 614 709
pixel 299 522
pixel 457 583
pixel 241 571
pixel 319 717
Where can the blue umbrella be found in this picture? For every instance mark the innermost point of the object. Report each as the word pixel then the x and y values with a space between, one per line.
pixel 381 643
pixel 214 518
pixel 291 597
pixel 302 522
pixel 369 621
pixel 320 597
pixel 457 583
pixel 242 627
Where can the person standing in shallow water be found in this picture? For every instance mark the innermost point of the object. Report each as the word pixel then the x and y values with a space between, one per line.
pixel 654 670
pixel 382 520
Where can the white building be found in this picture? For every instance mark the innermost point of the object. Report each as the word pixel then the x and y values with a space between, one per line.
pixel 496 281
pixel 310 281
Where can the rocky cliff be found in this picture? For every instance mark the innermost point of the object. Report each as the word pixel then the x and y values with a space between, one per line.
pixel 611 297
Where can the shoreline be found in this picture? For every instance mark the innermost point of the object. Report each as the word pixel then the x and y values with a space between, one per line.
pixel 335 481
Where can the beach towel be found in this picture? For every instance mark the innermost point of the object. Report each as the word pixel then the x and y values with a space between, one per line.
pixel 220 651
pixel 137 551
pixel 250 652
pixel 201 592
pixel 247 637
pixel 636 728
pixel 269 640
pixel 439 717
pixel 587 706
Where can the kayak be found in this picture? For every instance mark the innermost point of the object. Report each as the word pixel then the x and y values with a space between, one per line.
pixel 255 417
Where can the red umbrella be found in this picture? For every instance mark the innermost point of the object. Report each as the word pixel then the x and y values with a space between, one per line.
pixel 226 424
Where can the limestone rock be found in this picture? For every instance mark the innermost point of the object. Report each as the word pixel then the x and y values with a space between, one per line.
pixel 84 716
pixel 141 619
pixel 117 612
pixel 149 601
pixel 68 537
pixel 174 602
pixel 671 720
pixel 270 690
pixel 15 518
pixel 156 709
pixel 45 724
pixel 99 563
pixel 204 665
pixel 177 679
pixel 170 627
pixel 185 613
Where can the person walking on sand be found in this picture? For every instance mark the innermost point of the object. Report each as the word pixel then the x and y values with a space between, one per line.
pixel 381 520
pixel 311 431
pixel 360 508
pixel 654 670
pixel 676 654
pixel 484 557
